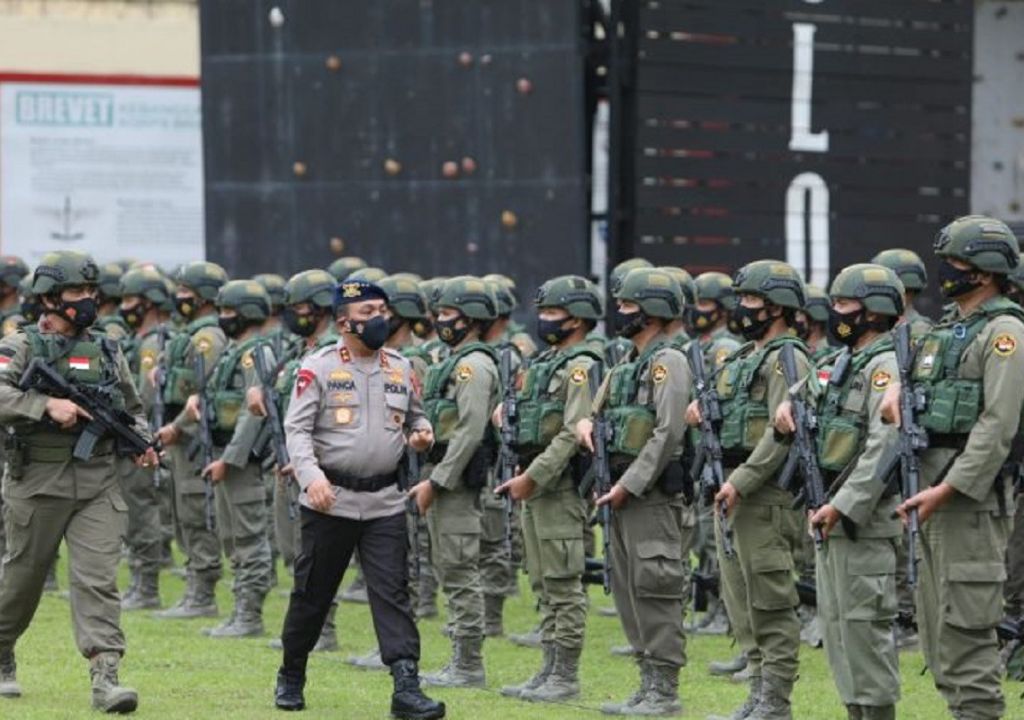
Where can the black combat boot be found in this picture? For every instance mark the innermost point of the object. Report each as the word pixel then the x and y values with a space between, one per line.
pixel 288 694
pixel 408 702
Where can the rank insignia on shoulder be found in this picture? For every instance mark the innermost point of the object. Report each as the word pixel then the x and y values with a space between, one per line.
pixel 578 376
pixel 1004 345
pixel 880 380
pixel 659 373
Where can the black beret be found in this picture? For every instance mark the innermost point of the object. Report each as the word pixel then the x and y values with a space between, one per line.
pixel 353 291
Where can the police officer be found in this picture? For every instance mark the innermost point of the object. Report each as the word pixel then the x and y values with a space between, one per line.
pixel 677 330
pixel 459 395
pixel 142 292
pixel 51 495
pixel 31 305
pixel 816 309
pixel 555 394
pixel 12 271
pixel 307 314
pixel 969 367
pixel 240 494
pixel 757 581
pixel 616 346
pixel 345 266
pixel 508 301
pixel 351 410
pixel 856 563
pixel 643 399
pixel 911 271
pixel 197 286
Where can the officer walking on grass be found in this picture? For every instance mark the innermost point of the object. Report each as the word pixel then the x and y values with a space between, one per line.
pixel 353 410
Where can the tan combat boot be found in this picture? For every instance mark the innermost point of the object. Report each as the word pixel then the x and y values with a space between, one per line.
pixel 107 694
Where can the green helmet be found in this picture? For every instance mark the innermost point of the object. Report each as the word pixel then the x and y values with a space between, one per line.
pixel 147 283
pixel 1017 276
pixel 62 269
pixel 311 286
pixel 110 281
pixel 907 264
pixel 655 291
pixel 685 281
pixel 775 281
pixel 877 287
pixel 345 266
pixel 248 297
pixel 201 277
pixel 408 276
pixel 619 272
pixel 983 242
pixel 431 287
pixel 168 306
pixel 25 287
pixel 470 295
pixel 12 270
pixel 274 285
pixel 507 302
pixel 404 297
pixel 817 303
pixel 368 274
pixel 576 295
pixel 716 287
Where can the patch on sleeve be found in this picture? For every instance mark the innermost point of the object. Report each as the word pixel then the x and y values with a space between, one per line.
pixel 203 345
pixel 247 361
pixel 659 373
pixel 10 326
pixel 578 376
pixel 1004 345
pixel 303 380
pixel 721 356
pixel 778 368
pixel 148 359
pixel 4 363
pixel 880 380
pixel 463 373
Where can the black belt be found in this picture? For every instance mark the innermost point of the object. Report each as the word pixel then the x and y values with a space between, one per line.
pixel 360 484
pixel 947 441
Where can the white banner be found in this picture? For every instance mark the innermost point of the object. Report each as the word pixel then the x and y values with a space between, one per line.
pixel 115 170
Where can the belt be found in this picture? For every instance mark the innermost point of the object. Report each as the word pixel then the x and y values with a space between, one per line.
pixel 360 484
pixel 947 441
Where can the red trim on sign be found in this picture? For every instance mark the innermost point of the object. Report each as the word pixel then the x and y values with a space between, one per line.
pixel 99 79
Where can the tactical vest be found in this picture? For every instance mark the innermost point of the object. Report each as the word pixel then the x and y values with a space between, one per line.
pixel 443 412
pixel 953 404
pixel 541 414
pixel 90 362
pixel 744 417
pixel 226 389
pixel 285 381
pixel 632 424
pixel 841 431
pixel 181 376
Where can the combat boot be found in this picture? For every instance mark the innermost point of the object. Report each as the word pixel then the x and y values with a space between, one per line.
pixel 662 698
pixel 408 701
pixel 853 712
pixel 107 693
pixel 51 584
pixel 745 710
pixel 288 693
pixel 563 683
pixel 728 667
pixel 715 623
pixel 466 667
pixel 810 630
pixel 9 687
pixel 636 698
pixel 247 619
pixel 774 702
pixel 878 712
pixel 369 661
pixel 199 600
pixel 145 595
pixel 533 639
pixel 547 664
pixel 494 610
pixel 356 592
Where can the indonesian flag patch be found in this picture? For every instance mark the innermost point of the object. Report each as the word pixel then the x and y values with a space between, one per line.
pixel 78 363
pixel 824 376
pixel 4 361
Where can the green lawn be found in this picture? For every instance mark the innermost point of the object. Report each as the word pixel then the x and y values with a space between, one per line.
pixel 181 674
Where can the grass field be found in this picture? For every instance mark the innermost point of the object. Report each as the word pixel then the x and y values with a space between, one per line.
pixel 181 674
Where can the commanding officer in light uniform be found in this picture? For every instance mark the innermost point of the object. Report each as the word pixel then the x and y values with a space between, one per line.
pixel 351 409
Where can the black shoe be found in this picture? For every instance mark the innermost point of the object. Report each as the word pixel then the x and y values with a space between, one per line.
pixel 408 702
pixel 288 694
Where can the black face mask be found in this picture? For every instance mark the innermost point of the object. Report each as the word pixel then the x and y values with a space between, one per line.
pixel 846 328
pixel 395 324
pixel 133 316
pixel 449 333
pixel 551 331
pixel 302 324
pixel 703 320
pixel 232 326
pixel 186 307
pixel 422 329
pixel 31 310
pixel 373 333
pixel 750 325
pixel 802 326
pixel 629 324
pixel 80 313
pixel 954 282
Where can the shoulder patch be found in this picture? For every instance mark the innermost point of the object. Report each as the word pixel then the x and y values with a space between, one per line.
pixel 148 359
pixel 10 326
pixel 1004 345
pixel 880 380
pixel 578 376
pixel 721 355
pixel 247 361
pixel 303 380
pixel 463 373
pixel 659 373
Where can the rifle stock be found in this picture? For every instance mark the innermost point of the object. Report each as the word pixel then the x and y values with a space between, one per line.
pixel 913 439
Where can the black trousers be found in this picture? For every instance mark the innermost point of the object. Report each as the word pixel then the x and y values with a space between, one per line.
pixel 327 546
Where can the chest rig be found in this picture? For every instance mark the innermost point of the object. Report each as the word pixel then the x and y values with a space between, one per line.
pixel 541 408
pixel 443 412
pixel 181 377
pixel 226 388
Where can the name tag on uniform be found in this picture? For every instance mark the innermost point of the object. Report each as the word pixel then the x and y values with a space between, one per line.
pixel 395 389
